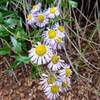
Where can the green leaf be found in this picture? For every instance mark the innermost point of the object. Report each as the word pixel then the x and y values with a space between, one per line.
pixel 73 4
pixel 22 59
pixel 3 32
pixel 37 38
pixel 35 72
pixel 20 33
pixel 63 4
pixel 98 26
pixel 55 20
pixel 1 18
pixel 3 1
pixel 8 14
pixel 34 69
pixel 14 64
pixel 11 22
pixel 4 51
pixel 16 45
pixel 49 1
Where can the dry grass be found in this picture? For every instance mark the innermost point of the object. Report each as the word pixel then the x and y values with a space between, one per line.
pixel 83 43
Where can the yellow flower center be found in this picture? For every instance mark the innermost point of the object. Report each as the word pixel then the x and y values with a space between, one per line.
pixel 55 59
pixel 65 84
pixel 59 40
pixel 41 18
pixel 51 79
pixel 54 89
pixel 52 10
pixel 51 34
pixel 40 50
pixel 29 17
pixel 35 7
pixel 61 28
pixel 68 72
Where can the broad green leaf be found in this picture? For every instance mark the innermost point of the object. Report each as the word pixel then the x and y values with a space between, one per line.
pixel 4 51
pixel 16 45
pixel 22 59
pixel 11 22
pixel 73 4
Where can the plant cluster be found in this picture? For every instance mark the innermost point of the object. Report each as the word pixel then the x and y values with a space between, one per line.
pixel 45 52
pixel 35 37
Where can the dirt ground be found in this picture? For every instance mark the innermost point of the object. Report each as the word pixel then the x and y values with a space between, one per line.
pixel 31 90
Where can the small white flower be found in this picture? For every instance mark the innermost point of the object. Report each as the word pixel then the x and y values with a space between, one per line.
pixel 66 84
pixel 59 43
pixel 60 30
pixel 41 20
pixel 47 80
pixel 56 63
pixel 40 54
pixel 53 12
pixel 30 19
pixel 50 37
pixel 36 8
pixel 52 92
pixel 66 71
